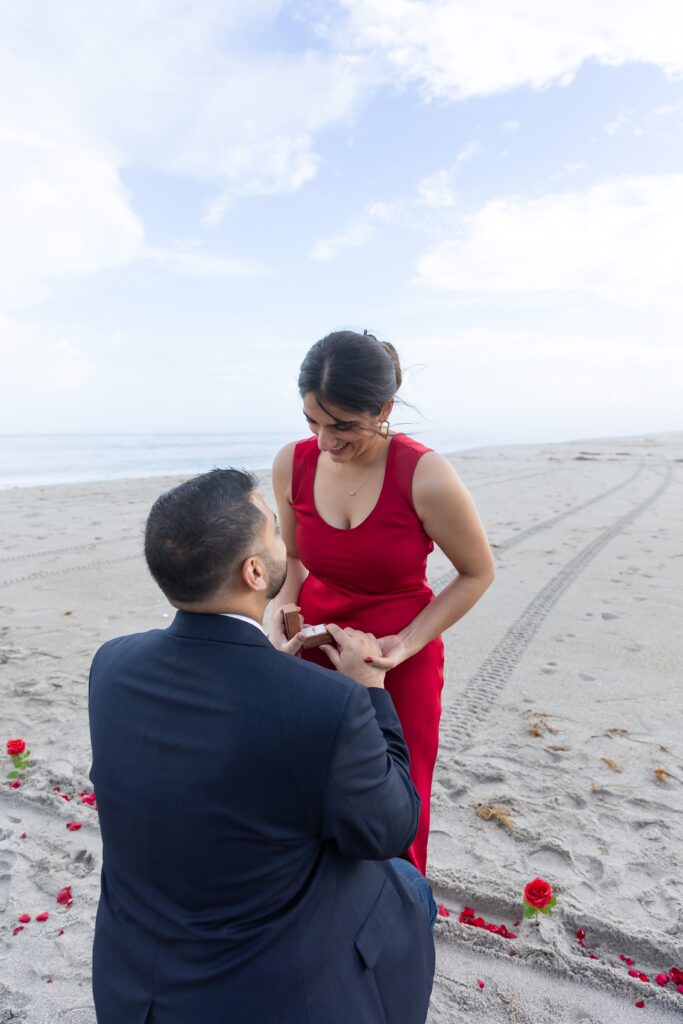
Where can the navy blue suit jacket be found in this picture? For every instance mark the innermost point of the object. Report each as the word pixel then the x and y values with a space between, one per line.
pixel 249 802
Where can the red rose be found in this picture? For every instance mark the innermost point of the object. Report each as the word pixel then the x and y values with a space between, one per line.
pixel 15 747
pixel 538 893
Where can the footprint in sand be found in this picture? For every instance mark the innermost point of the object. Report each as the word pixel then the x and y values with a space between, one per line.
pixel 608 615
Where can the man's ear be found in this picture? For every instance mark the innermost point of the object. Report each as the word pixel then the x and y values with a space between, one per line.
pixel 253 574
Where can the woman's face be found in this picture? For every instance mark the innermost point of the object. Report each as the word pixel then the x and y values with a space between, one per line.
pixel 342 433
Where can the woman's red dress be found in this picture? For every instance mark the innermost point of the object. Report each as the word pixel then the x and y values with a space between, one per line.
pixel 373 577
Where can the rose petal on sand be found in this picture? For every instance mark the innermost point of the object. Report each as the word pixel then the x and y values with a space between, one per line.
pixel 19 928
pixel 64 896
pixel 640 1004
pixel 60 932
pixel 73 826
pixel 24 835
pixel 480 983
pixel 25 918
pixel 42 917
pixel 14 785
pixel 444 911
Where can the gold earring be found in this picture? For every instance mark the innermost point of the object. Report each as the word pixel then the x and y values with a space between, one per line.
pixel 383 428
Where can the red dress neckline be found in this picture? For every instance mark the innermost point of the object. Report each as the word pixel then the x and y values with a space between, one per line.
pixel 373 510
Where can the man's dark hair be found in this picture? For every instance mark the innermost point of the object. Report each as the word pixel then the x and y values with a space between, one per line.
pixel 198 534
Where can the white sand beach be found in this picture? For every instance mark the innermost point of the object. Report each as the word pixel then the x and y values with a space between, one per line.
pixel 561 741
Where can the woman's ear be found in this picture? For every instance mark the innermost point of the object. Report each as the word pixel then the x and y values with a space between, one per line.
pixel 387 409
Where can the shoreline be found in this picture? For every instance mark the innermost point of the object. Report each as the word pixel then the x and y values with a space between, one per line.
pixel 654 438
pixel 560 702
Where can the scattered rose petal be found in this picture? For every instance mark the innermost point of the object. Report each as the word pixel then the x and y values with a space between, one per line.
pixel 88 798
pixel 14 785
pixel 676 975
pixel 515 924
pixel 73 826
pixel 480 983
pixel 25 918
pixel 443 910
pixel 640 1004
pixel 49 981
pixel 42 917
pixel 469 912
pixel 24 835
pixel 64 796
pixel 19 928
pixel 680 989
pixel 662 979
pixel 513 952
pixel 64 896
pixel 580 934
pixel 55 789
pixel 592 956
pixel 60 932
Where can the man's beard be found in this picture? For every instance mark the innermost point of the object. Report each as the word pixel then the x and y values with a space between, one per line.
pixel 277 574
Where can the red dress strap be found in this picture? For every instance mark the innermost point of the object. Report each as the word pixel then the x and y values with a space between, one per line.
pixel 303 467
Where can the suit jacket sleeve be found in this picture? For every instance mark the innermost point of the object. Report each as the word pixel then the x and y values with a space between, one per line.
pixel 371 807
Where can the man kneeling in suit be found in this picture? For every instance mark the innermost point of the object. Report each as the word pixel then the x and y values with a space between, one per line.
pixel 250 802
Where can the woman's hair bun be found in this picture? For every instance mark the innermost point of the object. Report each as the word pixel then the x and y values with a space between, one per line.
pixel 393 355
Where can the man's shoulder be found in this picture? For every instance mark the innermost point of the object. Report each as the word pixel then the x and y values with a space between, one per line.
pixel 121 645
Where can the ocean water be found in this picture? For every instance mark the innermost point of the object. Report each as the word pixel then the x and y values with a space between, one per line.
pixel 29 460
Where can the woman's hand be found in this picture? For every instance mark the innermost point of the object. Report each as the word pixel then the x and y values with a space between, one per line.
pixel 278 636
pixel 394 651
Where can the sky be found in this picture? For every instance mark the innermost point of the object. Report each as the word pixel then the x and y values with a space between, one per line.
pixel 192 192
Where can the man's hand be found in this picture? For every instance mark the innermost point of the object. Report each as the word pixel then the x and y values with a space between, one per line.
pixel 354 648
pixel 277 635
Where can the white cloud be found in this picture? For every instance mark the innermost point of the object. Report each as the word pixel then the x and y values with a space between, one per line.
pixel 359 232
pixel 510 126
pixel 461 48
pixel 39 365
pixel 64 213
pixel 170 85
pixel 545 383
pixel 438 190
pixel 188 259
pixel 619 240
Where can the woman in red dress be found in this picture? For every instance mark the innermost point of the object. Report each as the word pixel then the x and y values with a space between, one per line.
pixel 361 507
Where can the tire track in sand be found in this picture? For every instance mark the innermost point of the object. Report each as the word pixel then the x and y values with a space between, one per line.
pixel 483 688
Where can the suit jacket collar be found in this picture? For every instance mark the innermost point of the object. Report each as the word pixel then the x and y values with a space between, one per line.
pixel 197 626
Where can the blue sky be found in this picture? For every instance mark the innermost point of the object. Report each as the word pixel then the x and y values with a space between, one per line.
pixel 192 193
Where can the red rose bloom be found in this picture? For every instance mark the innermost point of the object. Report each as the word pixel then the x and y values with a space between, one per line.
pixel 15 747
pixel 538 893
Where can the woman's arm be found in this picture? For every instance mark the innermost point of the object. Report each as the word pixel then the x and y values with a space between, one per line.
pixel 296 573
pixel 450 518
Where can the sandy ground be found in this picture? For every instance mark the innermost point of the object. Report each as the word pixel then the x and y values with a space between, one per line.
pixel 561 703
